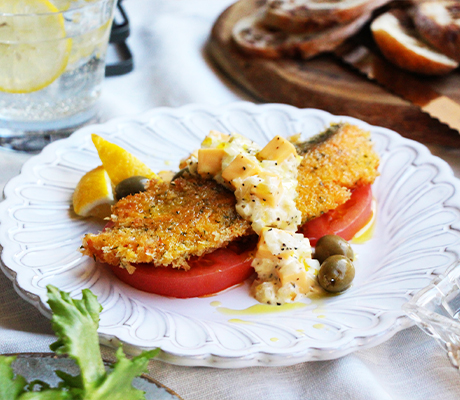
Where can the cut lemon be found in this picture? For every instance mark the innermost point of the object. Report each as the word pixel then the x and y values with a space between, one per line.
pixel 63 5
pixel 119 163
pixel 94 41
pixel 93 195
pixel 34 50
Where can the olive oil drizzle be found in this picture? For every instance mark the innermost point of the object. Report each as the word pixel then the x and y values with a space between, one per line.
pixel 259 309
pixel 319 326
pixel 367 231
pixel 240 321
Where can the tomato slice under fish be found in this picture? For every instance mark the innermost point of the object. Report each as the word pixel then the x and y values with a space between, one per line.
pixel 208 274
pixel 226 267
pixel 345 221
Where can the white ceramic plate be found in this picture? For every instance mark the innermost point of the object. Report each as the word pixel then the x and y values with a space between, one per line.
pixel 416 237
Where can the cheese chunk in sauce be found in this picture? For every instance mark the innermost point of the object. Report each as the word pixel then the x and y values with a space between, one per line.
pixel 285 270
pixel 264 180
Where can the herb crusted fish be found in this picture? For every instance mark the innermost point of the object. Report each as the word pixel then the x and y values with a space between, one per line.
pixel 192 216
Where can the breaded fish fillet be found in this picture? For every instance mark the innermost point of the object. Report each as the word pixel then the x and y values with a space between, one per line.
pixel 191 216
pixel 335 161
pixel 168 223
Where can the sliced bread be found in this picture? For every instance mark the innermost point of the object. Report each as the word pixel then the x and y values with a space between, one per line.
pixel 312 15
pixel 438 22
pixel 400 43
pixel 253 37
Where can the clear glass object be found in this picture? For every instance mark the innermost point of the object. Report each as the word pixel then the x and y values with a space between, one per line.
pixel 436 310
pixel 52 63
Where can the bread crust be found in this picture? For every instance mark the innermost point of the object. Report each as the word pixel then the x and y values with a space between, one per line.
pixel 438 22
pixel 286 23
pixel 399 42
pixel 298 16
pixel 252 37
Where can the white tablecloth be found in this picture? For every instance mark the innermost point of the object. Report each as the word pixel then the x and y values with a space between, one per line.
pixel 167 40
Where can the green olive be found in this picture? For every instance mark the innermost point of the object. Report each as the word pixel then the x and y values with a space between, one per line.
pixel 330 245
pixel 131 185
pixel 336 273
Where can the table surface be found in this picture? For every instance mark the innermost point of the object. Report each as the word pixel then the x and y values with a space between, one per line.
pixel 171 69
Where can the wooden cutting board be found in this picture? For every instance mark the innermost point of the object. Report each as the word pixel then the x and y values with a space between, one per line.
pixel 326 83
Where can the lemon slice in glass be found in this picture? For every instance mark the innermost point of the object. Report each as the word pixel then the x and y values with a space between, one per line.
pixel 86 44
pixel 63 5
pixel 34 50
pixel 93 195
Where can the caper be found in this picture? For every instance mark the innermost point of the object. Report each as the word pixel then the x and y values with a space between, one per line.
pixel 336 273
pixel 330 245
pixel 131 185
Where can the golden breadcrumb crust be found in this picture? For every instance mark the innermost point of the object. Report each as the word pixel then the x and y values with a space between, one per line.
pixel 168 223
pixel 171 222
pixel 330 168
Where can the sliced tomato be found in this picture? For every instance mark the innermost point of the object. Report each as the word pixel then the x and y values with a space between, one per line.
pixel 208 274
pixel 345 221
pixel 226 267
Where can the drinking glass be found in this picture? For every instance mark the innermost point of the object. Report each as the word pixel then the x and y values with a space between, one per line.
pixel 52 63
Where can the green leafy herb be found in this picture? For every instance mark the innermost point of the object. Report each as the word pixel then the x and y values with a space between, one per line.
pixel 9 388
pixel 75 323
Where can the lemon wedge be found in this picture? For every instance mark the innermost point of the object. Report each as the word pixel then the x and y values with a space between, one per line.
pixel 118 162
pixel 93 195
pixel 34 50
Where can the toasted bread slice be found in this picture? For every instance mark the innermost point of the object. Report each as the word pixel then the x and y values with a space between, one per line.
pixel 254 38
pixel 438 22
pixel 400 43
pixel 297 16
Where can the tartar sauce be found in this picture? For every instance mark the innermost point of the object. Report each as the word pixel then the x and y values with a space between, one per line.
pixel 264 181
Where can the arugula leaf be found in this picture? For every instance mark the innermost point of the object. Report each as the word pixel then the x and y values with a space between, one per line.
pixel 117 385
pixel 69 381
pixel 10 388
pixel 49 394
pixel 75 322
